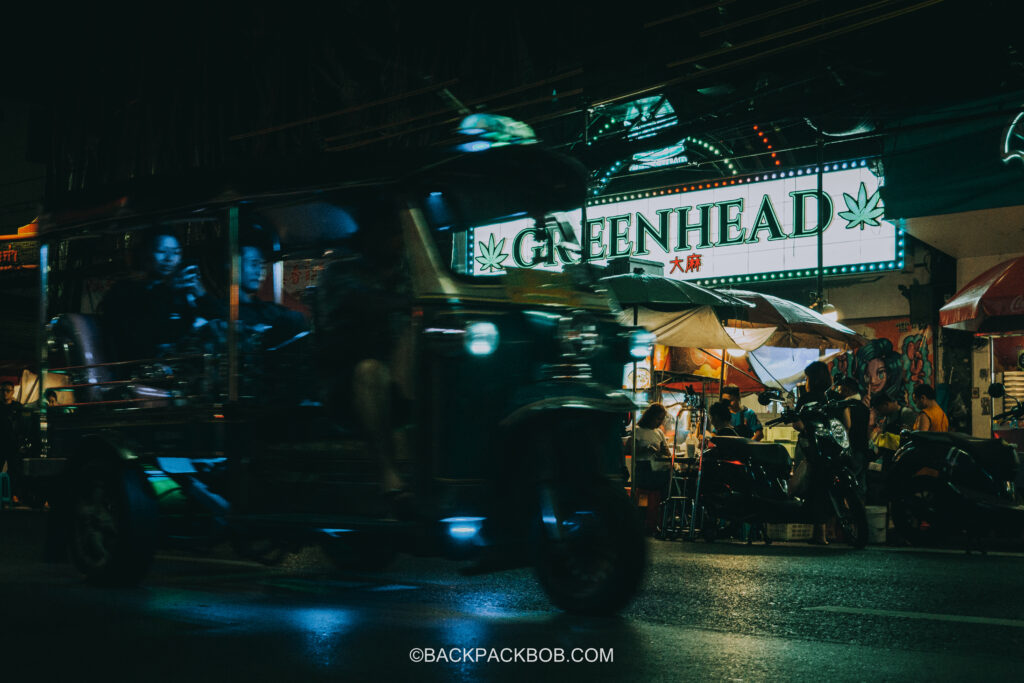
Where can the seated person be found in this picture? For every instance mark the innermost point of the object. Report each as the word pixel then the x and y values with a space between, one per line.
pixel 743 420
pixel 275 322
pixel 721 419
pixel 147 317
pixel 652 447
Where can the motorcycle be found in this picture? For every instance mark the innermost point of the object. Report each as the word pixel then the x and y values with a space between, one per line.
pixel 747 481
pixel 942 483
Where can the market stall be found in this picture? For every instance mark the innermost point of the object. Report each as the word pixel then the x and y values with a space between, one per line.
pixel 992 307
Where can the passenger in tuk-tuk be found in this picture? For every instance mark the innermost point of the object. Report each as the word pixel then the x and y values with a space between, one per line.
pixel 274 365
pixel 277 323
pixel 147 317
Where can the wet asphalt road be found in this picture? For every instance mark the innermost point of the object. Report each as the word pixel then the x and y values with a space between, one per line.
pixel 726 611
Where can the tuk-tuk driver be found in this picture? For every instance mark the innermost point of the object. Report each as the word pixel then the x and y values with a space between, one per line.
pixel 364 334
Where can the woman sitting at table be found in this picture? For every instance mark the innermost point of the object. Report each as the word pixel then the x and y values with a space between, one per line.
pixel 651 447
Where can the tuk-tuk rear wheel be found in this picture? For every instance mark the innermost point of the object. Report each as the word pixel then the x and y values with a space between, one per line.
pixel 597 564
pixel 114 524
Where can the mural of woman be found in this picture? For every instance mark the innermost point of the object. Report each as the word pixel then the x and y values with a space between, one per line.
pixel 878 370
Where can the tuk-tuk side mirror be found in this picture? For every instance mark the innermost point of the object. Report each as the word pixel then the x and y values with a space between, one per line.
pixel 769 395
pixel 996 390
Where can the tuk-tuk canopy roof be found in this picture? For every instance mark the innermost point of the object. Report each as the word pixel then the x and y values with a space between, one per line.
pixel 552 178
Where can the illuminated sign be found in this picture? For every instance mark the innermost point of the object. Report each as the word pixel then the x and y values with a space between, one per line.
pixel 758 227
pixel 1013 140
pixel 18 254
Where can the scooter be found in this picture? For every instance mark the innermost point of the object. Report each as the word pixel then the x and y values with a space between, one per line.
pixel 747 481
pixel 942 483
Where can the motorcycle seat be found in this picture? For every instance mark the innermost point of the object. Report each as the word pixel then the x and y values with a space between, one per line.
pixel 997 457
pixel 773 457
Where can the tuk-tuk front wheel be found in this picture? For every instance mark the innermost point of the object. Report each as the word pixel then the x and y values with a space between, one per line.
pixel 592 551
pixel 114 524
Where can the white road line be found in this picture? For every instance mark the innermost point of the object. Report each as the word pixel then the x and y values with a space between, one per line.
pixel 1018 623
pixel 944 551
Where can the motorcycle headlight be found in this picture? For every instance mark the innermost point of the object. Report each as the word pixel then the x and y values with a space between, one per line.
pixel 834 430
pixel 839 433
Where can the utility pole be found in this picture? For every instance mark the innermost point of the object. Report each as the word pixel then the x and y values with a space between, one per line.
pixel 820 290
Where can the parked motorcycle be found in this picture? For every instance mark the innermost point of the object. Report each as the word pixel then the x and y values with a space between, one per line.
pixel 941 483
pixel 748 481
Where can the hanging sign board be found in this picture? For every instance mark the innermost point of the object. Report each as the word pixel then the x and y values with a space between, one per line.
pixel 19 254
pixel 760 227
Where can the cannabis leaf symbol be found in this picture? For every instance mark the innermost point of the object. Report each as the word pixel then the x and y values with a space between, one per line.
pixel 863 210
pixel 490 257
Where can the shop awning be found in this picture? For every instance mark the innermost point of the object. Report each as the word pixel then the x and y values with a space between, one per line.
pixel 698 328
pixel 991 302
pixel 793 325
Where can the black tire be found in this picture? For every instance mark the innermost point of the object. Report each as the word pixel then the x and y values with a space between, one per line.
pixel 917 512
pixel 114 524
pixel 597 565
pixel 852 517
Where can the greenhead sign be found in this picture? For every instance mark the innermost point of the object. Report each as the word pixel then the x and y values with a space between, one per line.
pixel 762 226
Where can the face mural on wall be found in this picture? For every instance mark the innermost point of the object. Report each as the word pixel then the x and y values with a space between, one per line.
pixel 898 356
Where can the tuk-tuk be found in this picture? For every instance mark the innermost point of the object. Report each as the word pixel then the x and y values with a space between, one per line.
pixel 242 409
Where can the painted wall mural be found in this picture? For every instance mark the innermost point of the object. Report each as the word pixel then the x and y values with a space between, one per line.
pixel 898 356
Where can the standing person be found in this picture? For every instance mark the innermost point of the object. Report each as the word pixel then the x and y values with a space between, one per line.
pixel 932 418
pixel 856 417
pixel 744 420
pixel 146 317
pixel 890 416
pixel 817 382
pixel 890 420
pixel 11 432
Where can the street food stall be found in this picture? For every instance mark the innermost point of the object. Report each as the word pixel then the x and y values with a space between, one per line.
pixel 712 346
pixel 992 307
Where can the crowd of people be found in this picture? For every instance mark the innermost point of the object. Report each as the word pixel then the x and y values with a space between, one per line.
pixel 873 429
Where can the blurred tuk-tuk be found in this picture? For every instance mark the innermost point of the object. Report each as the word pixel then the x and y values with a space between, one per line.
pixel 242 410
